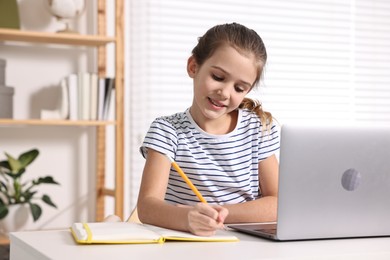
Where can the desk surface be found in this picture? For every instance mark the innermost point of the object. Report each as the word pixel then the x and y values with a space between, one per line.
pixel 59 244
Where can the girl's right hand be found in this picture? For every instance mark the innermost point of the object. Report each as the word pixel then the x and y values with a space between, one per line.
pixel 205 220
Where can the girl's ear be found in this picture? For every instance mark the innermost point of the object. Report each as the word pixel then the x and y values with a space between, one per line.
pixel 191 66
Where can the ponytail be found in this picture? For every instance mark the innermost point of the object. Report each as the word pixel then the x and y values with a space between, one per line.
pixel 255 106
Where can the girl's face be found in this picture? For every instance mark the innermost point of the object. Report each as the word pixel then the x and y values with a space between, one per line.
pixel 221 83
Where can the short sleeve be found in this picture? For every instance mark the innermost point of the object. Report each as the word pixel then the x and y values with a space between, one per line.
pixel 161 137
pixel 269 142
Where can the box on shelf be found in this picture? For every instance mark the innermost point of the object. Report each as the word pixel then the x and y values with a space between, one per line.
pixel 2 72
pixel 6 101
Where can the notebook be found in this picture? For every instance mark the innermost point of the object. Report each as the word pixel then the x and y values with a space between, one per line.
pixel 334 182
pixel 136 233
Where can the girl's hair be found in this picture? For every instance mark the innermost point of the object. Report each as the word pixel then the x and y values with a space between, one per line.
pixel 245 41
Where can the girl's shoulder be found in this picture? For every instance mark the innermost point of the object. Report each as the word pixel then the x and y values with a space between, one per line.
pixel 250 119
pixel 248 116
pixel 177 120
pixel 173 119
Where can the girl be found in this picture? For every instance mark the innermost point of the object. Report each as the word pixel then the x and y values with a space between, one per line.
pixel 224 142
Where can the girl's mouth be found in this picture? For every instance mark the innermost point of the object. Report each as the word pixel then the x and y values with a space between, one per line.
pixel 216 103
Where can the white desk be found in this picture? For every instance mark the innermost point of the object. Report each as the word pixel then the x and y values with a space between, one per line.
pixel 59 244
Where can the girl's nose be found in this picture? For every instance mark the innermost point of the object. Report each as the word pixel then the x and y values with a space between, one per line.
pixel 223 92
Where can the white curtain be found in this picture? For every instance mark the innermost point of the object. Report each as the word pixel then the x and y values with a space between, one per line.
pixel 328 61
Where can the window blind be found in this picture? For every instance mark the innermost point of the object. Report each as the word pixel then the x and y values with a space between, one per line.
pixel 372 61
pixel 328 60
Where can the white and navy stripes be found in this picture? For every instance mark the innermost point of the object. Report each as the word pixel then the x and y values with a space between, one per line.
pixel 224 168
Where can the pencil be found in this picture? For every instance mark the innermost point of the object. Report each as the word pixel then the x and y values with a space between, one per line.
pixel 188 181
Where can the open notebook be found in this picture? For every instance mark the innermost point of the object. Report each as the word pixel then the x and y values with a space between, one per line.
pixel 135 233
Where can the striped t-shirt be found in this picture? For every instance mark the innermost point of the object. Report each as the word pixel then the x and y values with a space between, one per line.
pixel 224 168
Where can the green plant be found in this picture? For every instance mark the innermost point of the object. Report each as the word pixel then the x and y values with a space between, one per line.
pixel 14 191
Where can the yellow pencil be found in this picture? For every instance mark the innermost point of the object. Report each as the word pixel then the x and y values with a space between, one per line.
pixel 188 181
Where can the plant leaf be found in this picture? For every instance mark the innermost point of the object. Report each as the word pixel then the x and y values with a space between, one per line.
pixel 28 157
pixel 5 164
pixel 28 195
pixel 17 175
pixel 47 180
pixel 14 164
pixel 3 185
pixel 36 211
pixel 48 201
pixel 3 211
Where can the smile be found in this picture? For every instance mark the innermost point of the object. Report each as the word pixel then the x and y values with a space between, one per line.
pixel 216 103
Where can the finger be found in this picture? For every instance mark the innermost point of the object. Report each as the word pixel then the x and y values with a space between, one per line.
pixel 207 210
pixel 205 226
pixel 216 212
pixel 198 222
pixel 222 213
pixel 201 221
pixel 200 230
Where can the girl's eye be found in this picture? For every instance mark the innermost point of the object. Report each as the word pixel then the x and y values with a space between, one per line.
pixel 217 78
pixel 239 89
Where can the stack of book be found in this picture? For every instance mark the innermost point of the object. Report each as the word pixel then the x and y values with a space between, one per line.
pixel 6 94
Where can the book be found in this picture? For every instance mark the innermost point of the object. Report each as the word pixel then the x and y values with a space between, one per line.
pixel 110 113
pixel 109 86
pixel 84 80
pixel 101 97
pixel 72 83
pixel 90 97
pixel 94 96
pixel 137 233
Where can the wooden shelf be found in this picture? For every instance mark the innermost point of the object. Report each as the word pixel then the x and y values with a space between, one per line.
pixel 100 42
pixel 54 122
pixel 4 240
pixel 55 38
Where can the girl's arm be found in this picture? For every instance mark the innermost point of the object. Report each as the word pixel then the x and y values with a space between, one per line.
pixel 201 219
pixel 263 209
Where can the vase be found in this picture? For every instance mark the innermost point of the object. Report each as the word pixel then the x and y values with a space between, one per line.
pixel 17 219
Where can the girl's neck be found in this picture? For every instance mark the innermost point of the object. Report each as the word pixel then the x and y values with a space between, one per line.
pixel 219 126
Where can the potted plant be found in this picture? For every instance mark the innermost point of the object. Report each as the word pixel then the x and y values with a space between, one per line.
pixel 15 191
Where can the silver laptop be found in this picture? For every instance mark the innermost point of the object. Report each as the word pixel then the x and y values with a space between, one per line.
pixel 334 182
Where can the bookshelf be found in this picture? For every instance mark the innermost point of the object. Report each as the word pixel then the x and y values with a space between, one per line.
pixel 55 122
pixel 3 240
pixel 47 37
pixel 98 41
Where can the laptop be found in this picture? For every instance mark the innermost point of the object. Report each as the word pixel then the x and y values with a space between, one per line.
pixel 334 182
